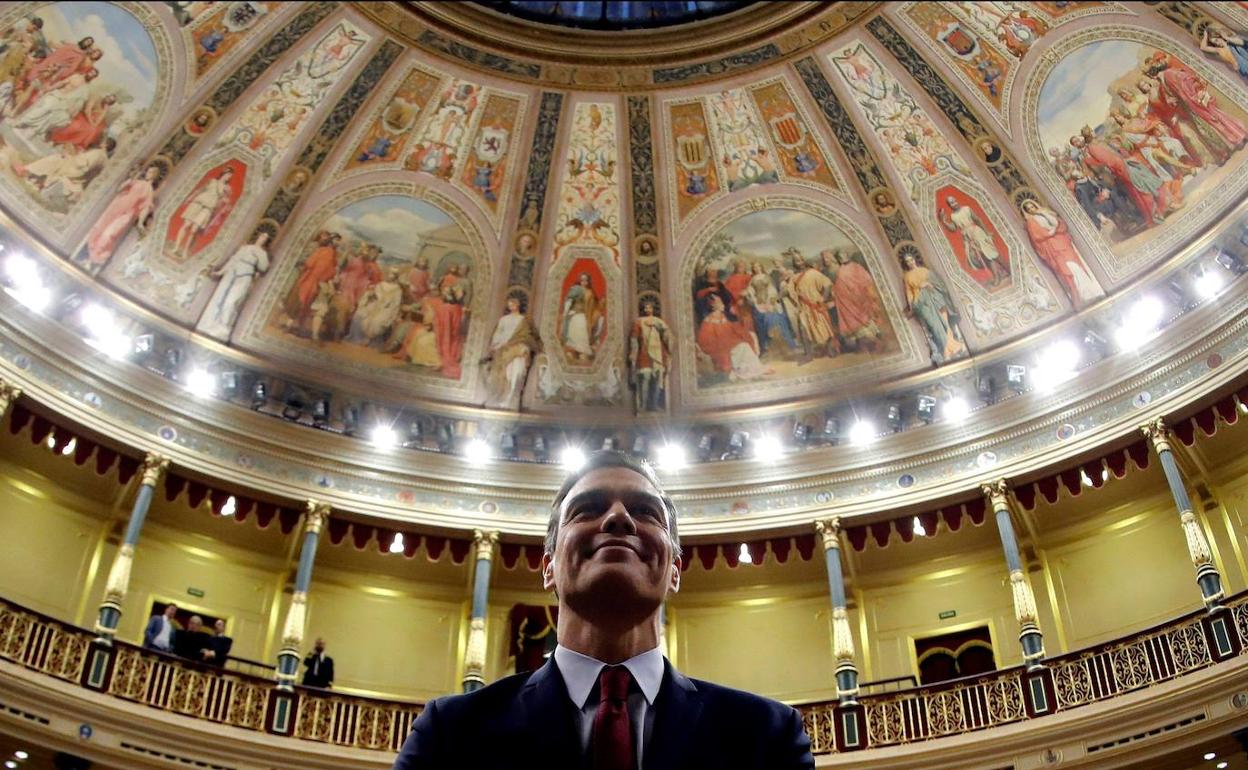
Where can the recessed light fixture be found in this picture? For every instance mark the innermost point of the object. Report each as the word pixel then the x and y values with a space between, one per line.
pixel 384 437
pixel 572 457
pixel 768 448
pixel 21 754
pixel 919 529
pixel 477 452
pixel 862 432
pixel 1210 755
pixel 396 545
pixel 743 555
pixel 200 383
pixel 672 457
pixel 956 409
pixel 230 507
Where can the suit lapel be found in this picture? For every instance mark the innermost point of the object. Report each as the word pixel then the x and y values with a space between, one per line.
pixel 677 710
pixel 547 720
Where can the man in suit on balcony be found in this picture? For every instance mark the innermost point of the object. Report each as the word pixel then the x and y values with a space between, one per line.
pixel 161 630
pixel 607 699
pixel 320 667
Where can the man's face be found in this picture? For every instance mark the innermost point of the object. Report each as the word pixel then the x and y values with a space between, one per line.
pixel 613 547
pixel 171 610
pixel 195 624
pixel 320 645
pixel 219 626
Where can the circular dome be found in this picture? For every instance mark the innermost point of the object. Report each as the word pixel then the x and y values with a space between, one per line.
pixel 839 253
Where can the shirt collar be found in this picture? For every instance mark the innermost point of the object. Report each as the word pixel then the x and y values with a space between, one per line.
pixel 580 673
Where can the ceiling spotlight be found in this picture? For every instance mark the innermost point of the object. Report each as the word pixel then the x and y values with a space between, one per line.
pixel 743 555
pixel 200 382
pixel 1208 284
pixel 384 437
pixel 768 448
pixel 1095 343
pixel 350 419
pixel 173 359
pixel 26 285
pixel 396 545
pixel 230 381
pixel 610 444
pixel 639 444
pixel 1231 262
pixel 96 318
pixel 1210 755
pixel 69 448
pixel 893 415
pixel 956 409
pixel 705 444
pixel 415 432
pixel 986 389
pixel 539 448
pixel 21 754
pixel 572 458
pixel 21 269
pixel 801 432
pixel 320 413
pixel 919 529
pixel 112 344
pixel 507 445
pixel 736 445
pixel 862 433
pixel 831 430
pixel 10 764
pixel 259 395
pixel 144 343
pixel 672 457
pixel 926 409
pixel 1016 377
pixel 477 452
pixel 1140 323
pixel 445 436
pixel 230 507
pixel 293 408
pixel 1056 364
pixel 1221 765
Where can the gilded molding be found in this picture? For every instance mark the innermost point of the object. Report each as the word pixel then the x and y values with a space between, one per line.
pixel 1197 545
pixel 1024 600
pixel 154 466
pixel 485 540
pixel 842 637
pixel 316 513
pixel 118 582
pixel 1157 432
pixel 995 493
pixel 474 658
pixel 8 394
pixel 830 531
pixel 296 618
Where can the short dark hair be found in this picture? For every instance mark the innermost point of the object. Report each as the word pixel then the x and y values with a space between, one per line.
pixel 611 458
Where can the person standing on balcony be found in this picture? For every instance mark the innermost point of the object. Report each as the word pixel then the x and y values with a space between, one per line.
pixel 192 642
pixel 320 667
pixel 218 649
pixel 161 630
pixel 607 699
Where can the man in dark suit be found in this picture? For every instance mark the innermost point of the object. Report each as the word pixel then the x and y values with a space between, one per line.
pixel 320 667
pixel 191 642
pixel 218 649
pixel 607 699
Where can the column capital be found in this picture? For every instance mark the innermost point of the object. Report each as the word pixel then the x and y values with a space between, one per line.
pixel 315 515
pixel 154 466
pixel 995 492
pixel 8 394
pixel 1157 432
pixel 830 530
pixel 485 540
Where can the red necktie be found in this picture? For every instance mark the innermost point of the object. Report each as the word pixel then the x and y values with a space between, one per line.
pixel 612 740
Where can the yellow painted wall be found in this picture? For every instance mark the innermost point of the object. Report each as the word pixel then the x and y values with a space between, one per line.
pixel 46 550
pixel 386 636
pixel 775 645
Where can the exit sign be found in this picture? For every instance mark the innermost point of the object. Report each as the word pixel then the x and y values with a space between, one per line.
pixel 199 593
pixel 948 614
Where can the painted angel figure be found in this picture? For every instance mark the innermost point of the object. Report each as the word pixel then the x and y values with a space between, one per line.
pixel 237 274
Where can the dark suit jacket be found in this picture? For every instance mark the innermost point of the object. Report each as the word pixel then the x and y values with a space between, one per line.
pixel 188 644
pixel 220 645
pixel 324 678
pixel 526 722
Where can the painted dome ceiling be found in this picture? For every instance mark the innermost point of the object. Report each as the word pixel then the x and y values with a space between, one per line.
pixel 785 216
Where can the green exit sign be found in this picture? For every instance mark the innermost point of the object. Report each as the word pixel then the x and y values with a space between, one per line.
pixel 943 616
pixel 199 593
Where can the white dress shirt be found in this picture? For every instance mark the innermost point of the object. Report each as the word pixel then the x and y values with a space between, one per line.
pixel 580 676
pixel 164 639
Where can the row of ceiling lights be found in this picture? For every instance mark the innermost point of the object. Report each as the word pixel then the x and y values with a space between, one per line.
pixel 1054 364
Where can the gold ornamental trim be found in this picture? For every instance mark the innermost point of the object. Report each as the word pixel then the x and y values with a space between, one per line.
pixel 8 394
pixel 296 619
pixel 1197 546
pixel 1024 600
pixel 830 530
pixel 474 657
pixel 118 582
pixel 485 540
pixel 996 493
pixel 1157 432
pixel 316 513
pixel 154 466
pixel 842 637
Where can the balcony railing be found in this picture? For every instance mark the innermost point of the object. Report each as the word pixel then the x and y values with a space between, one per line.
pixel 886 719
pixel 183 687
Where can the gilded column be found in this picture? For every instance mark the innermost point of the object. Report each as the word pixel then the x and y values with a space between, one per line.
pixel 1025 613
pixel 8 394
pixel 474 658
pixel 1207 576
pixel 842 637
pixel 118 584
pixel 292 632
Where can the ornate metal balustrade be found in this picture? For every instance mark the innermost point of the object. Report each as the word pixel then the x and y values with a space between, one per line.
pixel 1013 695
pixel 182 687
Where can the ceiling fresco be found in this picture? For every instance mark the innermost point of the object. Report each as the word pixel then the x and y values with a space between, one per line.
pixel 381 212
